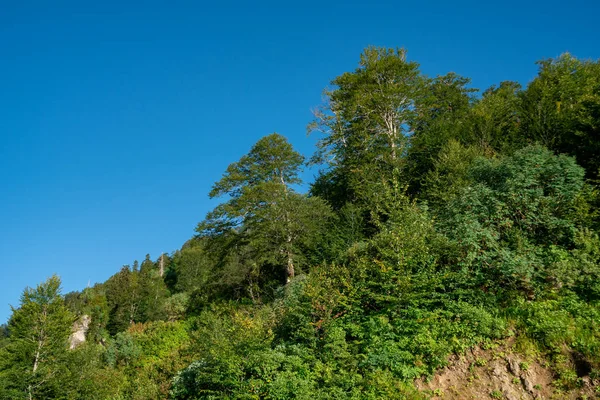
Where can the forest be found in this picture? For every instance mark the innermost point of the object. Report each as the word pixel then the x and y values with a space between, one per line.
pixel 443 220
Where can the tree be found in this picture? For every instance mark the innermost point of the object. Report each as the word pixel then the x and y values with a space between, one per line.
pixel 152 290
pixel 193 267
pixel 366 122
pixel 264 218
pixel 446 98
pixel 496 118
pixel 123 299
pixel 448 174
pixel 442 115
pixel 512 214
pixel 3 334
pixel 292 224
pixel 561 109
pixel 370 107
pixel 35 360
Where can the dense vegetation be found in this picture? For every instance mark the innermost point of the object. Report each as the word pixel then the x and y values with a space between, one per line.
pixel 441 220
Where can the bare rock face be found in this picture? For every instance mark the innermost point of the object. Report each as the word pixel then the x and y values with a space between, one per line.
pixel 80 328
pixel 513 366
pixel 528 385
pixel 500 372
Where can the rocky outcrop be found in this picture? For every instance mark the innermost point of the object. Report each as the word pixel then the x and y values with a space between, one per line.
pixel 500 373
pixel 80 328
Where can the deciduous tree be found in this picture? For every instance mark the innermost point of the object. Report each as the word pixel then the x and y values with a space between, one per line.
pixel 34 365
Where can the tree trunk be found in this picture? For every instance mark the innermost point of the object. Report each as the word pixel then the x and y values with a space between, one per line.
pixel 38 353
pixel 40 343
pixel 132 312
pixel 290 267
pixel 290 259
pixel 37 357
pixel 161 264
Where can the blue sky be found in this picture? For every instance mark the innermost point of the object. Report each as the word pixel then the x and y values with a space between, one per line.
pixel 117 117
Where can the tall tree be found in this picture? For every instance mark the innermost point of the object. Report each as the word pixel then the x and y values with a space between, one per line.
pixel 192 267
pixel 264 214
pixel 152 289
pixel 370 107
pixel 441 115
pixel 561 109
pixel 366 121
pixel 123 299
pixel 35 360
pixel 496 117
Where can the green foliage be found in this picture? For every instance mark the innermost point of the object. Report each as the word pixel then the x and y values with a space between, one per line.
pixel 265 227
pixel 495 118
pixel 148 356
pixel 368 110
pixel 153 295
pixel 123 299
pixel 443 116
pixel 561 109
pixel 267 170
pixel 449 174
pixel 365 125
pixel 515 209
pixel 192 267
pixel 3 335
pixel 176 306
pixel 34 361
pixel 91 379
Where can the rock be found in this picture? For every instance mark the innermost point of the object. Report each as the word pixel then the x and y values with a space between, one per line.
pixel 80 328
pixel 509 396
pixel 513 366
pixel 498 370
pixel 528 385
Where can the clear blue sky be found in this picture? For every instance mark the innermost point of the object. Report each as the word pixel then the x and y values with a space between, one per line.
pixel 116 116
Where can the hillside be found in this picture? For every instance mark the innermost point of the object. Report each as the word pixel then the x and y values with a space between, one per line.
pixel 448 248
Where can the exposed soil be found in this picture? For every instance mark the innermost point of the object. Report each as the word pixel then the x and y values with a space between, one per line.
pixel 500 373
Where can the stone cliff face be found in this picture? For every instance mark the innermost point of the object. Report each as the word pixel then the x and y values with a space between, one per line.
pixel 80 328
pixel 503 373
